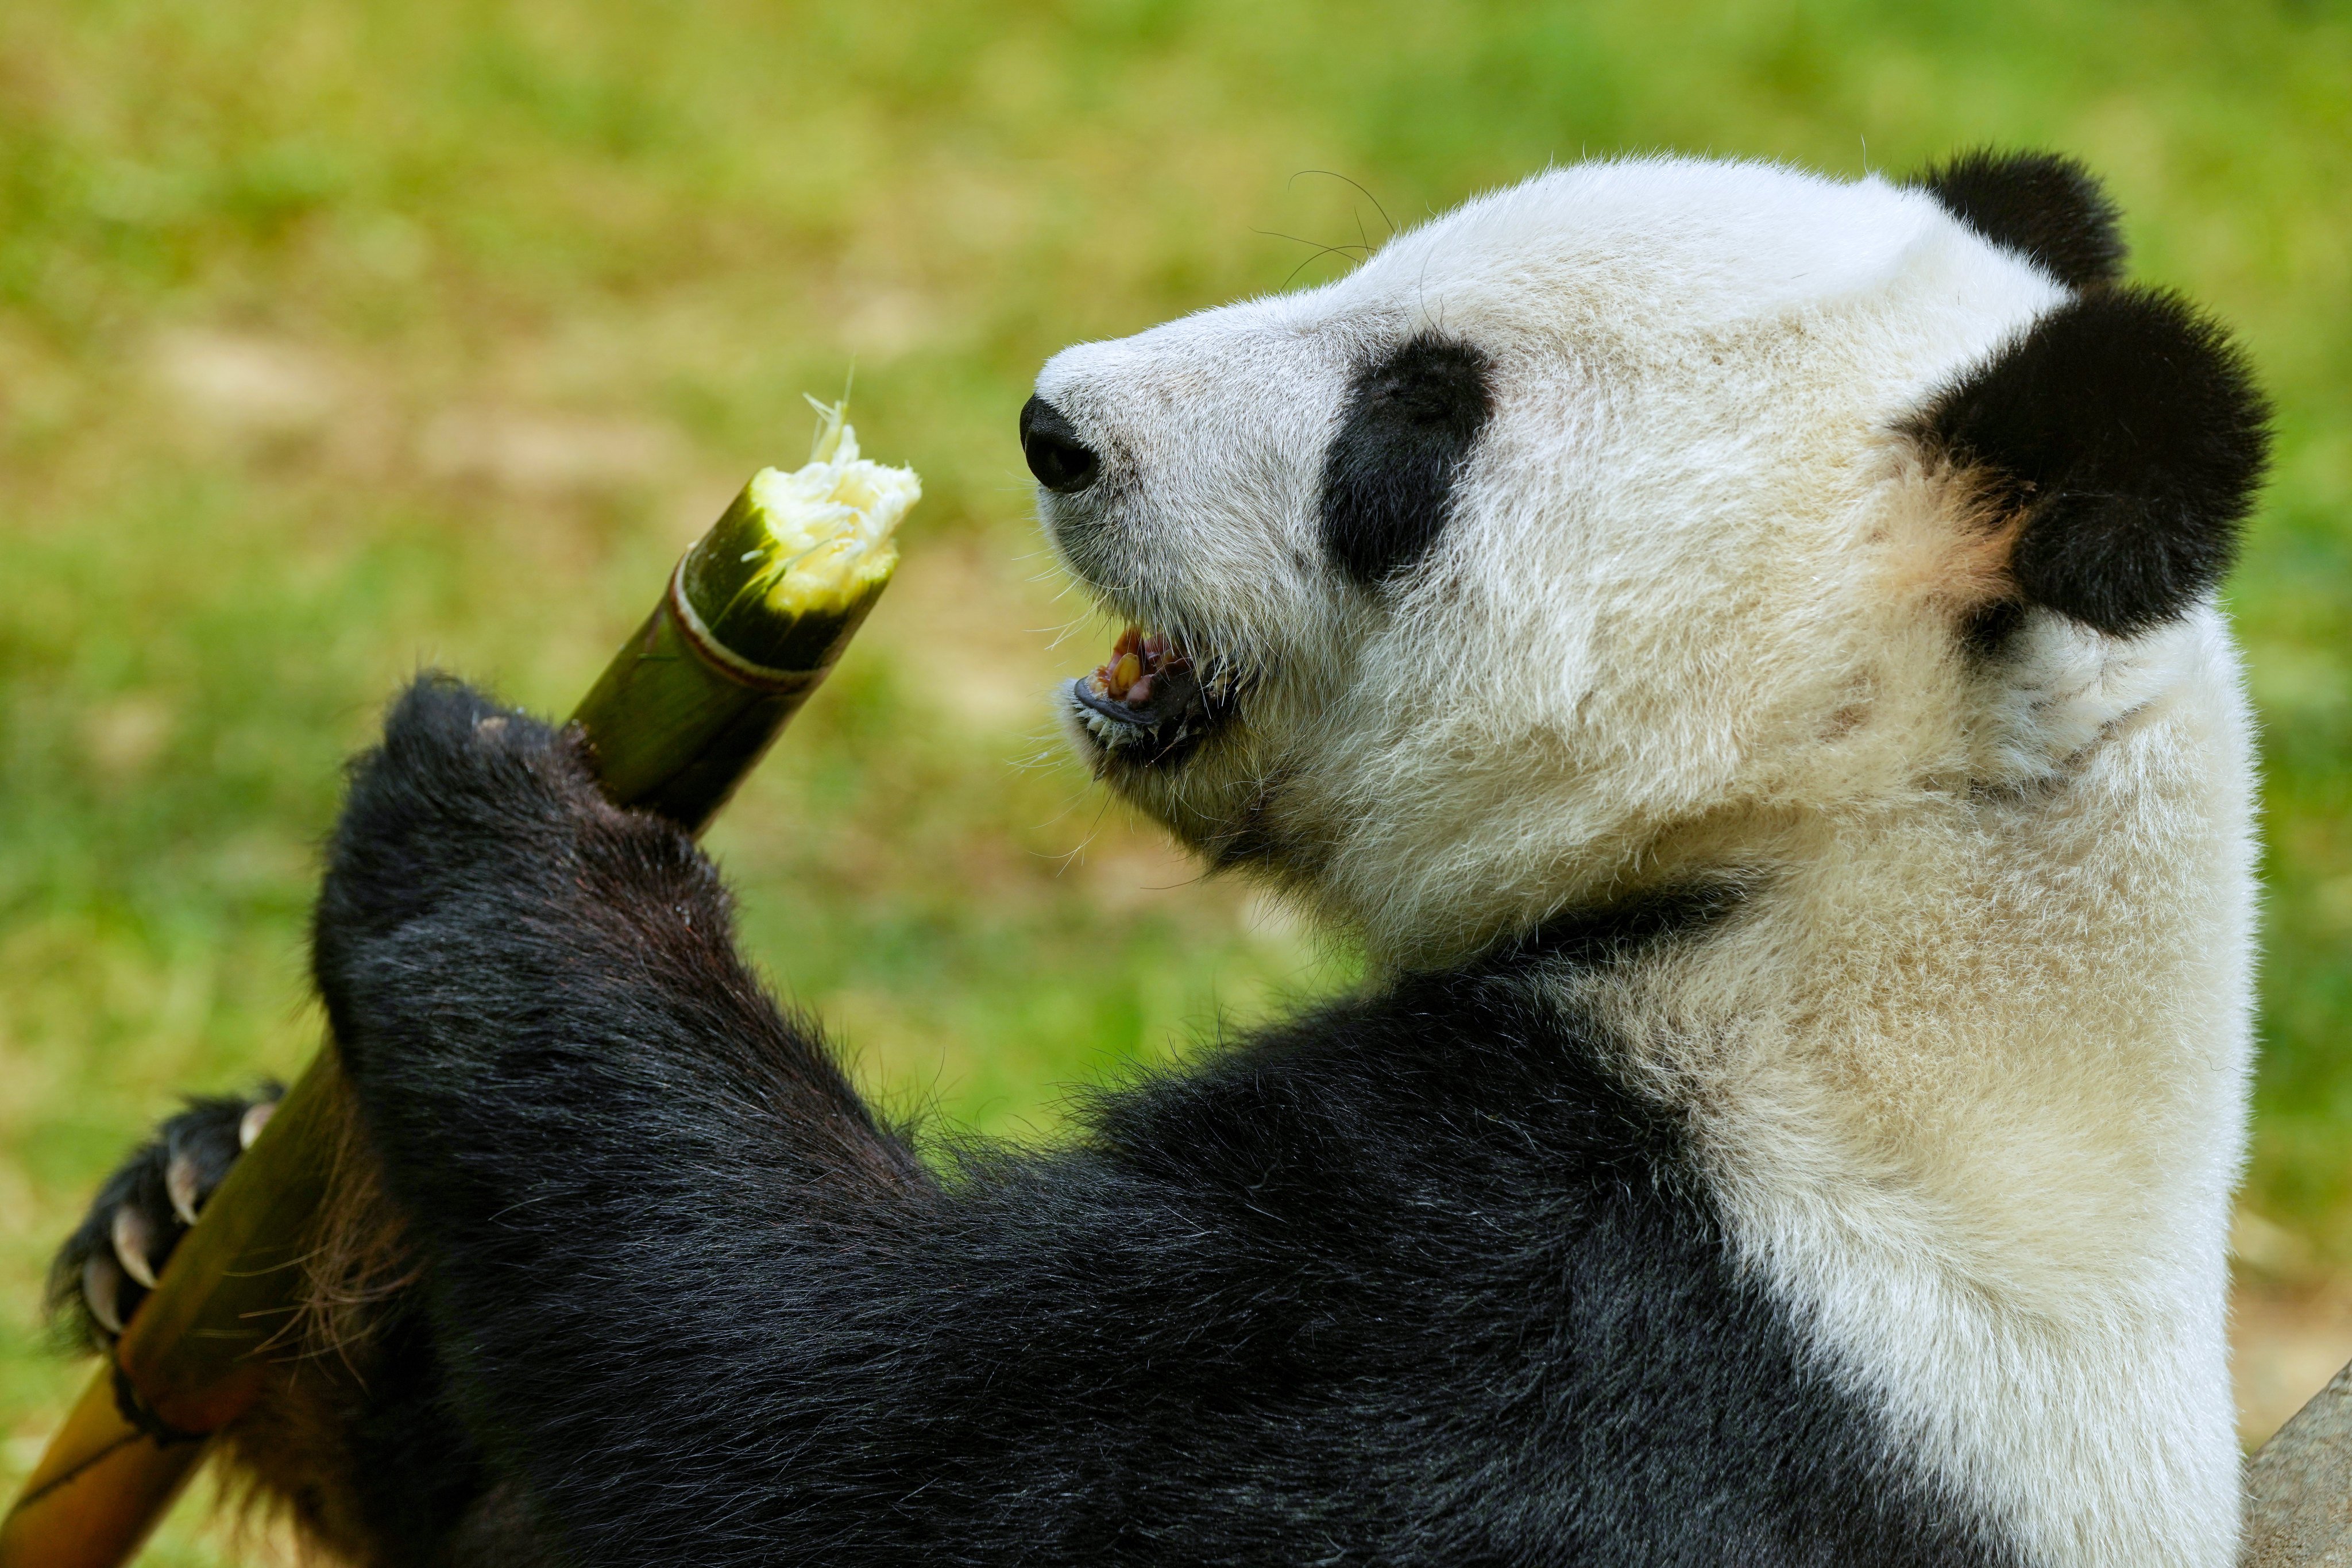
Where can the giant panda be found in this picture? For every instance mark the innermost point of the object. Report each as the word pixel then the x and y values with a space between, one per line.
pixel 1735 648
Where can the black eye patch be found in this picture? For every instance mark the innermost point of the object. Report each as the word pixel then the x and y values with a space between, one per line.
pixel 1410 419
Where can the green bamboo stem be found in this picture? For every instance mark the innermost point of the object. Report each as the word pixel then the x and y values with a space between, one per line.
pixel 752 618
pixel 684 711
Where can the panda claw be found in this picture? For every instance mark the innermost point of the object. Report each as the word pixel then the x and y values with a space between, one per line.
pixel 134 1236
pixel 101 1290
pixel 180 1180
pixel 257 1117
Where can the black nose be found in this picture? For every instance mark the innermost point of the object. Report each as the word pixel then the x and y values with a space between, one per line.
pixel 1060 460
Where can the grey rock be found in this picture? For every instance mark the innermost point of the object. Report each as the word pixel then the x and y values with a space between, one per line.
pixel 2299 1487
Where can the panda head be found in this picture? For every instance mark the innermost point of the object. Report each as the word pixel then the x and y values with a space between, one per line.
pixel 1588 536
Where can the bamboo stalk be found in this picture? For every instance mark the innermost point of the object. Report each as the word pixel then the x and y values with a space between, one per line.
pixel 100 1487
pixel 755 615
pixel 753 618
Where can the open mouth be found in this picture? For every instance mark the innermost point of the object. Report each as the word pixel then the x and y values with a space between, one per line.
pixel 1151 702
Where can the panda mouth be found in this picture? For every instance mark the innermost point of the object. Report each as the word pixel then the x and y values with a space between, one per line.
pixel 1151 702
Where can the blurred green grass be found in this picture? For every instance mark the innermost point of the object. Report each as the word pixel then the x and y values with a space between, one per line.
pixel 338 338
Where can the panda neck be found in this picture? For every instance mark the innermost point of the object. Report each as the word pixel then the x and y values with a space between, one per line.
pixel 1969 1075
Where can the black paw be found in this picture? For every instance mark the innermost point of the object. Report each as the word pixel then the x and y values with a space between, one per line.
pixel 460 790
pixel 477 875
pixel 108 1265
pixel 451 754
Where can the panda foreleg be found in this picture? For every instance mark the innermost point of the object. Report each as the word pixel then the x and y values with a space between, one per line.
pixel 601 1133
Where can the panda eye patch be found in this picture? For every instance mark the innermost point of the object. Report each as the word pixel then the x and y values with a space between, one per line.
pixel 1406 431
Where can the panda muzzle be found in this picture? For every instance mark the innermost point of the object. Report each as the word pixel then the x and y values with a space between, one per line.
pixel 1150 700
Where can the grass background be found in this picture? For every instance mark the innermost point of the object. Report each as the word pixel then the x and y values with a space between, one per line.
pixel 343 336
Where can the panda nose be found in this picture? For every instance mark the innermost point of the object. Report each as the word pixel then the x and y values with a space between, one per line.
pixel 1062 462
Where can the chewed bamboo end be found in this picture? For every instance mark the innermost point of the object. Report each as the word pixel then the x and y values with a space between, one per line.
pixel 830 524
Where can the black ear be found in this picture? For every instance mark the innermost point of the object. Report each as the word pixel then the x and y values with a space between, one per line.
pixel 2126 429
pixel 2043 205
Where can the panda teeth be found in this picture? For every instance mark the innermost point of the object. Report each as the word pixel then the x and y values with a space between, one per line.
pixel 1150 696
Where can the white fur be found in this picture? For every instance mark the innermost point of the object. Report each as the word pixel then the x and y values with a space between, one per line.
pixel 1970 1063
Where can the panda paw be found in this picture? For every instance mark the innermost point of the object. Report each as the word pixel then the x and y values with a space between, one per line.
pixel 461 792
pixel 110 1262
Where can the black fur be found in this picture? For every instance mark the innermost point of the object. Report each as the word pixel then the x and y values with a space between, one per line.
pixel 2128 430
pixel 422 1493
pixel 1413 1279
pixel 1410 421
pixel 2049 208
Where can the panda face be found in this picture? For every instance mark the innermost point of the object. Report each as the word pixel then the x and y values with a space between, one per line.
pixel 1572 543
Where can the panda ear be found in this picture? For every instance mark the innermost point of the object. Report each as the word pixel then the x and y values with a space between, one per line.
pixel 2046 207
pixel 2125 437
